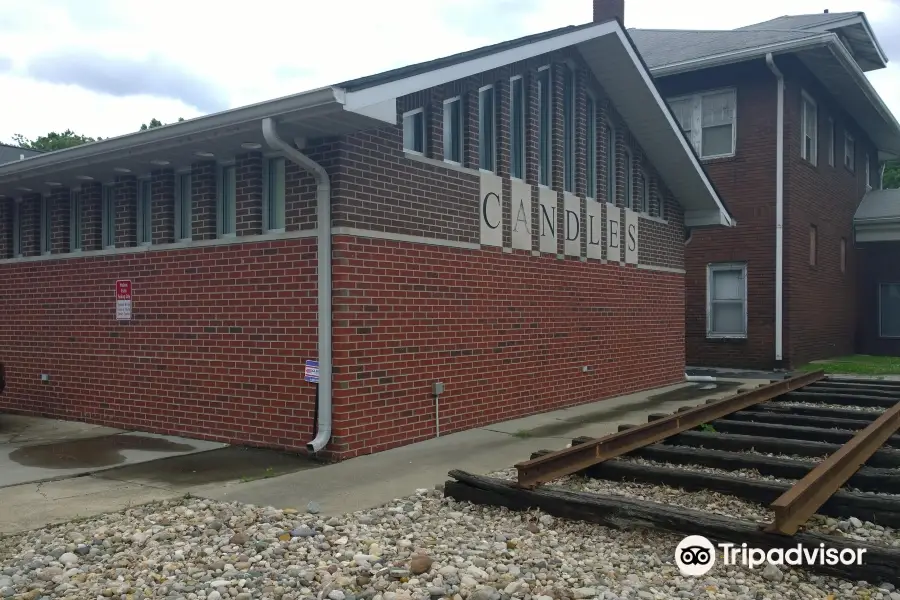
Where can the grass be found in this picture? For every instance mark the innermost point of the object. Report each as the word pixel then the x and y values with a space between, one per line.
pixel 858 364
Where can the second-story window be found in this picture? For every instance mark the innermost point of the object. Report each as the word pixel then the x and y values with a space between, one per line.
pixel 183 207
pixel 108 216
pixel 453 130
pixel 591 147
pixel 74 221
pixel 486 128
pixel 273 194
pixel 227 201
pixel 569 127
pixel 610 136
pixel 545 124
pixel 414 131
pixel 868 173
pixel 809 129
pixel 46 225
pixel 709 121
pixel 17 228
pixel 144 213
pixel 831 141
pixel 849 152
pixel 629 180
pixel 517 127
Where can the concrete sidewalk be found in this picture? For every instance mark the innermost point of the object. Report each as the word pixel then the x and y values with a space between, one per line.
pixel 263 477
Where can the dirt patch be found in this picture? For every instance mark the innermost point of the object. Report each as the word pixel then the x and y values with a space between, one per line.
pixel 92 452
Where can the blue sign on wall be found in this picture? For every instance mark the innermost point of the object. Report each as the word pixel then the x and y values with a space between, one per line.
pixel 312 371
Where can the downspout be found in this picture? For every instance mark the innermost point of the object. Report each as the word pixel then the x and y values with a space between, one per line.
pixel 779 213
pixel 323 208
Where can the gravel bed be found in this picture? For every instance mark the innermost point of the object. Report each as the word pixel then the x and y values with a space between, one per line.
pixel 416 548
pixel 745 473
pixel 872 409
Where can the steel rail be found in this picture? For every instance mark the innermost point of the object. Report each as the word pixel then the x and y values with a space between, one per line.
pixel 799 503
pixel 571 460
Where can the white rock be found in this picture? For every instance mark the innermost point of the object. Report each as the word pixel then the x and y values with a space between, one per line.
pixel 477 573
pixel 69 559
pixel 585 592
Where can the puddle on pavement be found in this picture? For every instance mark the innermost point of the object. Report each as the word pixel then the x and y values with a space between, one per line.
pixel 214 466
pixel 92 452
pixel 690 392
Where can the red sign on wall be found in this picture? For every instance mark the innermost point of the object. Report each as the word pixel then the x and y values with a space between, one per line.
pixel 123 300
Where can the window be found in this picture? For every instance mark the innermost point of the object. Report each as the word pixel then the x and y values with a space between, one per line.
pixel 273 194
pixel 569 128
pixel 144 213
pixel 414 131
pixel 849 152
pixel 662 206
pixel 889 310
pixel 17 228
pixel 46 225
pixel 726 311
pixel 831 142
pixel 645 193
pixel 453 131
pixel 517 127
pixel 225 214
pixel 108 216
pixel 545 124
pixel 486 128
pixel 708 120
pixel 813 245
pixel 868 174
pixel 183 207
pixel 610 135
pixel 629 180
pixel 74 221
pixel 809 136
pixel 591 147
pixel 843 255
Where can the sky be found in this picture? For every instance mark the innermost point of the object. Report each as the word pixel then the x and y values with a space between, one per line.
pixel 104 67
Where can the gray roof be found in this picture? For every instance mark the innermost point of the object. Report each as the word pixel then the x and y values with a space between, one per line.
pixel 802 21
pixel 879 205
pixel 671 46
pixel 14 153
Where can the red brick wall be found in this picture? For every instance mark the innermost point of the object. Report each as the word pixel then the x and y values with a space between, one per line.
pixel 216 349
pixel 507 333
pixel 820 299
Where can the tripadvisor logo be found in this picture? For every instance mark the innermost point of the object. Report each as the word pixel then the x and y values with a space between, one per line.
pixel 695 555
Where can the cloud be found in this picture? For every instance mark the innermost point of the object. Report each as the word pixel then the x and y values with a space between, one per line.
pixel 124 76
pixel 6 64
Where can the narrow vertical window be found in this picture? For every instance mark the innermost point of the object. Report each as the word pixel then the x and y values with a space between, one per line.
pixel 809 137
pixel 645 192
pixel 74 221
pixel 868 173
pixel 629 180
pixel 108 216
pixel 831 142
pixel 46 225
pixel 843 255
pixel 17 228
pixel 610 137
pixel 414 131
pixel 517 127
pixel 591 148
pixel 144 213
pixel 813 245
pixel 453 134
pixel 849 152
pixel 545 122
pixel 226 201
pixel 183 207
pixel 486 128
pixel 273 195
pixel 569 127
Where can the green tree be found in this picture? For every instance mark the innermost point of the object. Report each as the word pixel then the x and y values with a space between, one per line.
pixel 156 123
pixel 892 175
pixel 52 141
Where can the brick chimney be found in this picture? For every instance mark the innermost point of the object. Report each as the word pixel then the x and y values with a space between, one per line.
pixel 604 10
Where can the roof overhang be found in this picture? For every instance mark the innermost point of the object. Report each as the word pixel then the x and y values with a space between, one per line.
pixel 830 61
pixel 860 37
pixel 877 217
pixel 314 114
pixel 610 54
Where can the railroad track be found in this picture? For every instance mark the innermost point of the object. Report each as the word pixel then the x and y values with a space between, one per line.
pixel 805 446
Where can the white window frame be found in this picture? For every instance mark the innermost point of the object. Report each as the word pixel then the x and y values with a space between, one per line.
pixel 184 207
pixel 487 145
pixel 108 216
pixel 849 152
pixel 545 134
pixel 76 221
pixel 629 179
pixel 696 101
pixel 645 192
pixel 409 131
pixel 46 228
pixel 590 150
pixel 881 311
pixel 611 162
pixel 226 200
pixel 17 228
pixel 448 133
pixel 144 207
pixel 274 192
pixel 569 110
pixel 868 173
pixel 711 269
pixel 807 101
pixel 831 142
pixel 517 130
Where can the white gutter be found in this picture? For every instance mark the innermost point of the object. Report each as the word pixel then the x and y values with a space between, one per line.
pixel 323 209
pixel 779 213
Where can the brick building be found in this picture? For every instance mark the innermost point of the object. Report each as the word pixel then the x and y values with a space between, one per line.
pixel 792 134
pixel 508 222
